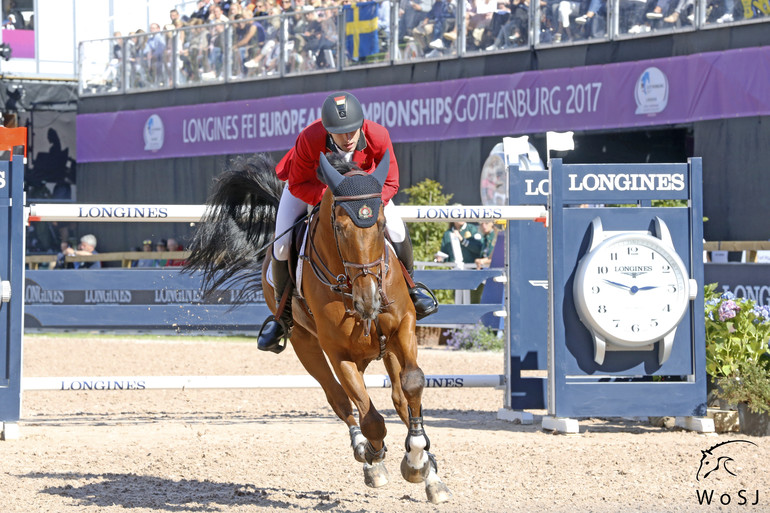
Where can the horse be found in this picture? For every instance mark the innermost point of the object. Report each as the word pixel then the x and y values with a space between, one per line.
pixel 351 306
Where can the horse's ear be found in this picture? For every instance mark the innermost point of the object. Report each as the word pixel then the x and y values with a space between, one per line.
pixel 381 173
pixel 330 176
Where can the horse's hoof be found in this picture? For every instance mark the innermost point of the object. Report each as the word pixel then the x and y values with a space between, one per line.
pixel 359 452
pixel 414 475
pixel 437 491
pixel 375 475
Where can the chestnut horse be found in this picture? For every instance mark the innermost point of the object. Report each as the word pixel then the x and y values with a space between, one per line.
pixel 352 305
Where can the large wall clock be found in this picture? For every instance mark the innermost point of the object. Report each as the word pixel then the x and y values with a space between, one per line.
pixel 631 290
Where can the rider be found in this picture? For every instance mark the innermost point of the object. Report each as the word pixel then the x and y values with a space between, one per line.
pixel 342 129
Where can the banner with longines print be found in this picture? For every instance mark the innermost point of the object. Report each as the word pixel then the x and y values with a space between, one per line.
pixel 671 90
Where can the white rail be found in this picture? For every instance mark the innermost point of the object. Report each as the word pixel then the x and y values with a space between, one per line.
pixel 65 212
pixel 131 383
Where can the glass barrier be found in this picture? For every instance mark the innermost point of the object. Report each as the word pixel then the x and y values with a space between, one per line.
pixel 100 67
pixel 720 12
pixel 148 60
pixel 366 27
pixel 427 30
pixel 314 40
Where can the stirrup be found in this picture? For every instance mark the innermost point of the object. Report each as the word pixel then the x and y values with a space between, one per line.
pixel 420 289
pixel 276 347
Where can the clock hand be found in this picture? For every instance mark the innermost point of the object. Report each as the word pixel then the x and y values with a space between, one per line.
pixel 618 284
pixel 648 287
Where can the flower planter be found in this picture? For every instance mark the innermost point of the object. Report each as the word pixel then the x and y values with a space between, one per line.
pixel 755 424
pixel 713 399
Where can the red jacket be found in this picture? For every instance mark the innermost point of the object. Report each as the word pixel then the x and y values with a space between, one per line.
pixel 299 165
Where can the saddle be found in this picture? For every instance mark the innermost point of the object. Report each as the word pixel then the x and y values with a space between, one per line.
pixel 298 234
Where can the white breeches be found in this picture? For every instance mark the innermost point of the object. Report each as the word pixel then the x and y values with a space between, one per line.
pixel 291 207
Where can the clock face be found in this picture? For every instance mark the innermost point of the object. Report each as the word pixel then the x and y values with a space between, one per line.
pixel 632 289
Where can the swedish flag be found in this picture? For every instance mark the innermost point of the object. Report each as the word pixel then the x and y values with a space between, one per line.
pixel 361 29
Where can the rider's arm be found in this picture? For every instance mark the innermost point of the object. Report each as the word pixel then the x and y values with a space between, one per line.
pixel 302 166
pixel 379 138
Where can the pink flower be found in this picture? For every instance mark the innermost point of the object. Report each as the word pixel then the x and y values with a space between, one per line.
pixel 728 310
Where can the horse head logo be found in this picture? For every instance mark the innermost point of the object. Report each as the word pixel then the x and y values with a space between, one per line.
pixel 712 461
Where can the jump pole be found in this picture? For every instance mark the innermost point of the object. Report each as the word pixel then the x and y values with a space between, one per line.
pixel 126 383
pixel 66 212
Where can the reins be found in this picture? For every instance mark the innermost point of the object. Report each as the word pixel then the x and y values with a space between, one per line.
pixel 342 283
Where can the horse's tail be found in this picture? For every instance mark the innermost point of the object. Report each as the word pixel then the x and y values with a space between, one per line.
pixel 230 243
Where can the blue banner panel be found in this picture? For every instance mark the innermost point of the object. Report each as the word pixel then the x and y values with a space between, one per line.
pixel 751 281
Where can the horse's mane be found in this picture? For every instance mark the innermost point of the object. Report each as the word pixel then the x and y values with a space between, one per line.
pixel 231 242
pixel 339 163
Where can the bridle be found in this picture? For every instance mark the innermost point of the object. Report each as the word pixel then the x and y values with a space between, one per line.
pixel 343 283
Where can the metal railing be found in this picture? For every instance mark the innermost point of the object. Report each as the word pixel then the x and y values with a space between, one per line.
pixel 337 38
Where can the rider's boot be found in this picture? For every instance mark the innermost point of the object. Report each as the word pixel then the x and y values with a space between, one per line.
pixel 424 301
pixel 277 328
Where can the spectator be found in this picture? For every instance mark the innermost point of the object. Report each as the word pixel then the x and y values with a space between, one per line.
pixel 173 245
pixel 456 243
pixel 260 8
pixel 146 262
pixel 564 10
pixel 595 18
pixel 112 76
pixel 514 31
pixel 244 38
pixel 478 21
pixel 135 52
pixel 173 15
pixel 683 13
pixel 194 50
pixel 440 19
pixel 318 46
pixel 412 12
pixel 216 42
pixel 155 50
pixel 160 246
pixel 203 11
pixel 60 262
pixel 87 247
pixel 483 243
pixel 383 23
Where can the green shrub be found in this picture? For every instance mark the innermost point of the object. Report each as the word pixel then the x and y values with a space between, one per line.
pixel 750 386
pixel 426 236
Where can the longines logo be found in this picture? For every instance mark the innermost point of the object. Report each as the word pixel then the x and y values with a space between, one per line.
pixel 718 462
pixel 611 182
pixel 633 270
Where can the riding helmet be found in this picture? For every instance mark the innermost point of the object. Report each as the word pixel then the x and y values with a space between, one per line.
pixel 342 113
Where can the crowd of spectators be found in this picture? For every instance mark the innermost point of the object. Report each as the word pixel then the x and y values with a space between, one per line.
pixel 303 35
pixel 87 246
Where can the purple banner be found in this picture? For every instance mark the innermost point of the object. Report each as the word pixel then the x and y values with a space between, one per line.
pixel 643 93
pixel 22 43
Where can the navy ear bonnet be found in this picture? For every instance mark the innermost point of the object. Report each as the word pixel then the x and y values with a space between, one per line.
pixel 363 212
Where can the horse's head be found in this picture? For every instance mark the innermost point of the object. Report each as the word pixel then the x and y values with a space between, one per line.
pixel 358 224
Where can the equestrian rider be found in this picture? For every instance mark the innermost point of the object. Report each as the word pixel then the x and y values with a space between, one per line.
pixel 343 129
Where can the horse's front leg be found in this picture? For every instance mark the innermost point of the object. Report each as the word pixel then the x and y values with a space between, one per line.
pixel 313 359
pixel 418 464
pixel 372 425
